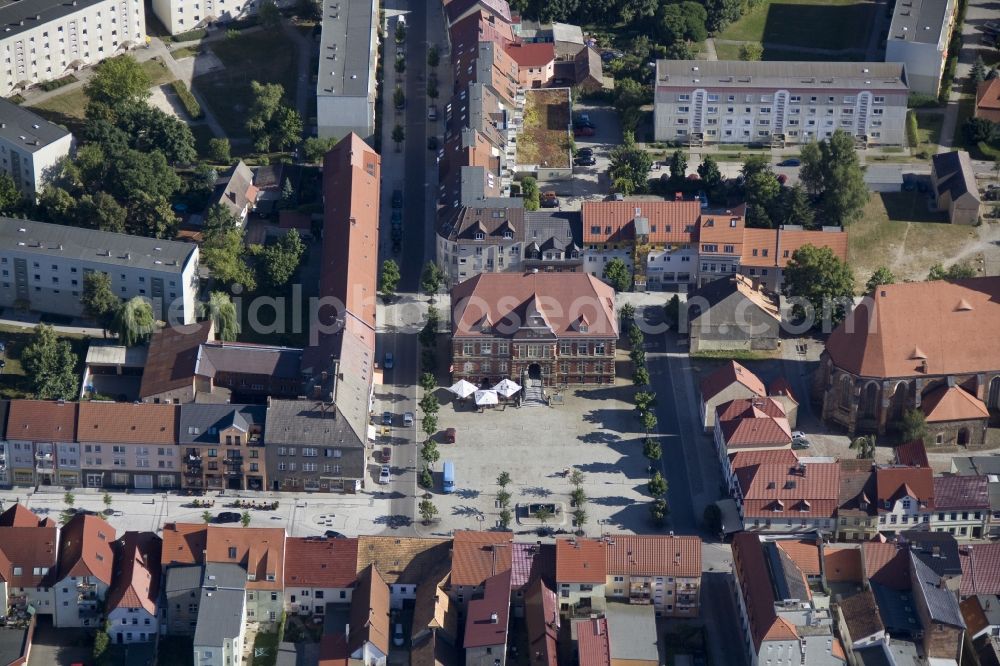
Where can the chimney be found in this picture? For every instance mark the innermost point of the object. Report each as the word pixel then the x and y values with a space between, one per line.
pixel 493 618
pixel 678 196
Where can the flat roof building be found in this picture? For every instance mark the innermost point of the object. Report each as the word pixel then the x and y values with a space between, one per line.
pixel 918 37
pixel 345 81
pixel 29 146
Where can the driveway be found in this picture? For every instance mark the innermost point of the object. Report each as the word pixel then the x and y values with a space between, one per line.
pixel 592 181
pixel 59 647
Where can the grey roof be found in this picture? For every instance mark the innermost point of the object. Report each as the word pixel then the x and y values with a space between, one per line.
pixel 249 359
pixel 13 644
pixel 105 247
pixel 346 48
pixel 918 21
pixel 561 229
pixel 231 576
pixel 941 603
pixel 464 223
pixel 223 596
pixel 975 465
pixel 101 353
pixel 632 632
pixel 198 420
pixel 308 422
pixel 955 174
pixel 565 32
pixel 787 580
pixel 25 129
pixel 232 189
pixel 937 550
pixel 897 609
pixel 17 17
pixel 737 74
pixel 182 578
pixel 873 655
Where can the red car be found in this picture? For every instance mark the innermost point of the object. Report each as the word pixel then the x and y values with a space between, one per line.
pixel 449 436
pixel 386 454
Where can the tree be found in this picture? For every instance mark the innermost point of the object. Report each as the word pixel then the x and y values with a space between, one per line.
pixel 69 499
pixel 658 510
pixel 224 257
pixel 222 311
pixel 398 98
pixel 503 498
pixel 913 425
pixel 644 401
pixel 832 173
pixel 751 51
pixel 219 221
pixel 398 135
pixel 672 311
pixel 148 128
pixel 580 518
pixel 709 173
pixel 657 485
pixel 281 260
pixel 629 166
pixel 107 499
pixel 577 477
pixel 506 518
pixel 287 193
pixel 98 300
pixel 761 190
pixel 530 193
pixel 135 321
pixel 865 446
pixel 430 278
pixel 427 511
pixel 626 314
pixel 712 518
pixel 652 449
pixel 286 128
pixel 219 151
pixel 796 207
pixel 50 365
pixel 817 275
pixel 678 167
pixel 101 211
pixel 245 519
pixel 977 130
pixel 618 274
pixel 959 271
pixel 433 56
pixel 543 514
pixel 882 275
pixel 206 516
pixel 429 404
pixel 629 97
pixel 648 421
pixel 314 148
pixel 118 83
pixel 268 14
pixel 426 478
pixel 641 376
pixel 635 336
pixel 503 479
pixel 429 426
pixel 152 216
pixel 978 72
pixel 11 199
pixel 390 277
pixel 681 22
pixel 721 13
pixel 427 382
pixel 266 101
pixel 56 205
pixel 429 451
pixel 638 356
pixel 101 643
pixel 578 496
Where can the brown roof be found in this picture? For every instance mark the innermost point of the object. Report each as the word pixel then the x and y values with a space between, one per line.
pixel 259 550
pixel 532 54
pixel 172 357
pixel 318 562
pixel 751 573
pixel 477 556
pixel 861 615
pixel 806 490
pixel 432 608
pixel 183 543
pixel 974 616
pixel 912 453
pixel 653 555
pixel 479 26
pixel 803 552
pixel 779 386
pixel 723 230
pixel 402 560
pixel 580 561
pixel 614 221
pixel 980 569
pixel 753 423
pixel 857 488
pixel 988 96
pixel 564 303
pixel 85 548
pixel 886 564
pixel 842 564
pixel 961 492
pixel 592 642
pixel 727 375
pixel 27 542
pixel 42 421
pixel 750 457
pixel 952 403
pixel 486 623
pixel 137 573
pixel 541 615
pixel 773 248
pixel 139 423
pixel 953 333
pixel 19 515
pixel 891 483
pixel 369 615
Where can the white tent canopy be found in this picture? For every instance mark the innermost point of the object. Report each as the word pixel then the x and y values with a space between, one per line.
pixel 486 397
pixel 507 388
pixel 463 389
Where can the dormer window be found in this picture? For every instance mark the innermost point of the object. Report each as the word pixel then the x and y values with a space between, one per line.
pixel 251 576
pixel 584 328
pixel 270 576
pixel 232 552
pixel 480 235
pixel 508 235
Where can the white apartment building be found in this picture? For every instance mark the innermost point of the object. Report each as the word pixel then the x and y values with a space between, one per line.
pixel 179 16
pixel 345 82
pixel 699 101
pixel 47 39
pixel 918 37
pixel 42 268
pixel 30 146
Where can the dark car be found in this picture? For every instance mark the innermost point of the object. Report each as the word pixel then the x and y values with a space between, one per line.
pixel 583 131
pixel 585 152
pixel 432 143
pixel 791 161
pixel 585 160
pixel 333 534
pixel 227 517
pixel 449 436
pixel 397 198
pixel 387 418
pixel 549 200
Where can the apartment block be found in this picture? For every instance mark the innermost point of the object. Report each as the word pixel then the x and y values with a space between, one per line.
pixel 222 446
pixel 701 102
pixel 29 146
pixel 36 429
pixel 345 82
pixel 664 572
pixel 48 39
pixel 86 567
pixel 183 15
pixel 918 38
pixel 127 445
pixel 42 267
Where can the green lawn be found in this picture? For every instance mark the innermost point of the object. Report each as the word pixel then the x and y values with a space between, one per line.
pixel 929 129
pixel 202 135
pixel 157 71
pixel 824 24
pixel 268 643
pixel 265 56
pixel 185 52
pixel 13 381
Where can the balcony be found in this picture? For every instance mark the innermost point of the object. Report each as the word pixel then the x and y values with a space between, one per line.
pixel 43 457
pixel 45 468
pixel 233 465
pixel 87 598
pixel 84 585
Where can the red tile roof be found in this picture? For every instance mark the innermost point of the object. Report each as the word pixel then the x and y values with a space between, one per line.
pixel 614 221
pixel 530 561
pixel 988 96
pixel 980 569
pixel 42 421
pixel 974 616
pixel 140 423
pixel 912 454
pixel 749 408
pixel 723 230
pixel 773 248
pixel 891 483
pixel 486 622
pixel 886 564
pixel 85 548
pixel 19 515
pixel 477 556
pixel 183 543
pixel 653 555
pixel 961 492
pixel 952 404
pixel 730 373
pixel 259 550
pixel 27 542
pixel 751 573
pixel 843 564
pixel 779 386
pixel 137 573
pixel 369 614
pixel 953 334
pixel 750 457
pixel 749 424
pixel 592 642
pixel 479 26
pixel 807 490
pixel 532 54
pixel 317 562
pixel 541 615
pixel 803 552
pixel 580 561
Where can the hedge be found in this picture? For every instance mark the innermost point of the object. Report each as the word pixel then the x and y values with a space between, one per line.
pixel 58 83
pixel 187 99
pixel 912 134
pixel 189 36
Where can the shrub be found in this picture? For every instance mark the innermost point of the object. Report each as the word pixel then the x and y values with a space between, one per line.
pixel 189 36
pixel 912 135
pixel 57 83
pixel 922 101
pixel 187 99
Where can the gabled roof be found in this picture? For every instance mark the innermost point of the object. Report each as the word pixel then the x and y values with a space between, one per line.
pixel 892 483
pixel 961 492
pixel 857 488
pixel 886 564
pixel 455 9
pixel 402 560
pixel 140 423
pixel 486 622
pixel 532 54
pixel 941 602
pixel 319 562
pixel 879 337
pixel 259 550
pixel 592 642
pixel 477 556
pixel 955 174
pixel 172 357
pixel 861 615
pixel 988 96
pixel 85 548
pixel 980 569
pixel 581 561
pixel 235 190
pixel 541 615
pixel 653 555
pixel 369 615
pixel 530 561
pixel 727 375
pixel 19 515
pixel 200 423
pixel 751 457
pixel 952 403
pixel 938 550
pixel 183 543
pixel 432 609
pixel 753 423
pixel 137 573
pixel 807 489
pixel 843 564
pixel 42 421
pixel 27 542
pixel 913 454
pixel 752 575
pixel 614 221
pixel 749 290
pixel 804 552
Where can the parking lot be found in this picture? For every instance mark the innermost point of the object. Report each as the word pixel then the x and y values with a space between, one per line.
pixel 594 430
pixel 590 182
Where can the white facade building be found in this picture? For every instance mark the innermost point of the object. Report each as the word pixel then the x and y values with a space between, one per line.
pixel 30 146
pixel 345 82
pixel 699 101
pixel 48 39
pixel 42 266
pixel 179 16
pixel 918 37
